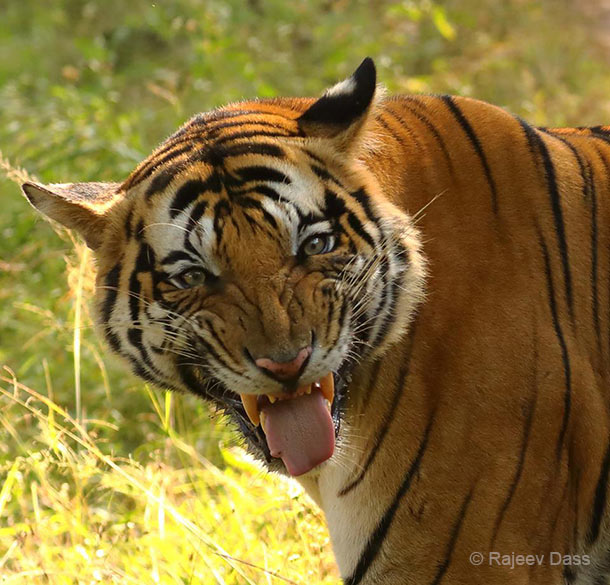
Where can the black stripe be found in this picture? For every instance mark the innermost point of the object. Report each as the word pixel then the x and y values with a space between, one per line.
pixel 163 179
pixel 190 380
pixel 590 194
pixel 111 282
pixel 357 226
pixel 412 136
pixel 139 232
pixel 391 132
pixel 134 295
pixel 387 418
pixel 334 206
pixel 113 340
pixel 594 260
pixel 221 209
pixel 146 259
pixel 262 173
pixel 209 119
pixel 250 203
pixel 196 214
pixel 160 159
pixel 375 541
pixel 185 195
pixel 216 129
pixel 428 123
pixel 569 574
pixel 476 143
pixel 606 173
pixel 343 311
pixel 531 136
pixel 562 344
pixel 390 311
pixel 141 372
pixel 314 156
pixel 128 221
pixel 219 359
pixel 455 532
pixel 144 263
pixel 599 502
pixel 191 190
pixel 322 173
pixel 382 299
pixel 216 336
pixel 267 192
pixel 176 256
pixel 549 171
pixel 134 335
pixel 262 148
pixel 249 134
pixel 362 197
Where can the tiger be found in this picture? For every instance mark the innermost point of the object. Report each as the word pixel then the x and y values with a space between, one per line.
pixel 403 302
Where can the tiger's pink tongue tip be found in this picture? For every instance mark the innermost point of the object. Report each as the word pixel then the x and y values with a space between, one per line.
pixel 300 431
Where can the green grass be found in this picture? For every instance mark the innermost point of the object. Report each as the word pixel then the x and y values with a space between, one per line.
pixel 101 478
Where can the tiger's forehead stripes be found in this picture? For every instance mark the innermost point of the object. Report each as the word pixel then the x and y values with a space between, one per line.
pixel 205 130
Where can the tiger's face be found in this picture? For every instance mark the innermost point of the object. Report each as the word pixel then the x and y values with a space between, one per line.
pixel 252 261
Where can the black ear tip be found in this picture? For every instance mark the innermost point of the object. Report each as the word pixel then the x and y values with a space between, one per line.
pixel 366 68
pixel 366 77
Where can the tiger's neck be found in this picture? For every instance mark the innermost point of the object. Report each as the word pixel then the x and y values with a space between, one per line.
pixel 347 487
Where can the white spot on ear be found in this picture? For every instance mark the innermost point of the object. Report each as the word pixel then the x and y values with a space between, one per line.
pixel 345 87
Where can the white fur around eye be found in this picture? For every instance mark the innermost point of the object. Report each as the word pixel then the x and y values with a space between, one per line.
pixel 322 227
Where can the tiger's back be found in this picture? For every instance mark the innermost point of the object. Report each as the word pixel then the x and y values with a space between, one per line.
pixel 500 390
pixel 474 422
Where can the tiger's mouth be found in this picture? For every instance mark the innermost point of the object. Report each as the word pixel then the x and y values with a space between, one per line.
pixel 298 426
pixel 291 432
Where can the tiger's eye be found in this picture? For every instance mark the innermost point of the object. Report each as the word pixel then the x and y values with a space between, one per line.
pixel 193 277
pixel 319 244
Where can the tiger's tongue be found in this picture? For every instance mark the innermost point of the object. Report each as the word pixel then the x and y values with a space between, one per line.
pixel 299 430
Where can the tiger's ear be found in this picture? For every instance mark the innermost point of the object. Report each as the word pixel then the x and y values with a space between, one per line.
pixel 79 206
pixel 340 113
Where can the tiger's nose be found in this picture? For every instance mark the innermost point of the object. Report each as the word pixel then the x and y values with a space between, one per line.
pixel 285 371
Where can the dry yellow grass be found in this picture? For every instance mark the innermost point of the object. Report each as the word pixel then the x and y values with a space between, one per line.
pixel 72 513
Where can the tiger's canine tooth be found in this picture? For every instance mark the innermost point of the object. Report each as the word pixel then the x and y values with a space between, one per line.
pixel 263 417
pixel 327 386
pixel 271 398
pixel 250 402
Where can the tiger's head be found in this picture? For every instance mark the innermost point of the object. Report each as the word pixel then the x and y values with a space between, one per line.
pixel 253 260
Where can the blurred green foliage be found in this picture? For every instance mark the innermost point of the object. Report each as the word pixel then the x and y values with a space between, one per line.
pixel 87 89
